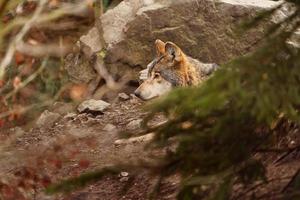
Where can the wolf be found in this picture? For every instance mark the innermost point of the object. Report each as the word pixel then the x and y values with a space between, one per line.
pixel 171 68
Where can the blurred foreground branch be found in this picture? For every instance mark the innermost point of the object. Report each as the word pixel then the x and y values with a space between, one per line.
pixel 19 38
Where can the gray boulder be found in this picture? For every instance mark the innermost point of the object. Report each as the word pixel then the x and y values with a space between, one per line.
pixel 202 28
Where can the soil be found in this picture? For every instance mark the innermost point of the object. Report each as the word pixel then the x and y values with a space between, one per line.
pixel 79 143
pixel 84 133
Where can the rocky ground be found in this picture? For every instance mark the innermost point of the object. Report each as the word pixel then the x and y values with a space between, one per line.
pixel 74 143
pixel 71 131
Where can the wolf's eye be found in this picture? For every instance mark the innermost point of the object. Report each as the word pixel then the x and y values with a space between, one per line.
pixel 156 75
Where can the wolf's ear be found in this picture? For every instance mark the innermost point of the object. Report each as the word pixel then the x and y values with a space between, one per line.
pixel 173 50
pixel 160 47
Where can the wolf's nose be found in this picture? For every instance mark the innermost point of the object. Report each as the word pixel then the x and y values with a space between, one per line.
pixel 137 94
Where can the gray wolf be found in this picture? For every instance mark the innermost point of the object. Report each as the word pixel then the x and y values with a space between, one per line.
pixel 171 68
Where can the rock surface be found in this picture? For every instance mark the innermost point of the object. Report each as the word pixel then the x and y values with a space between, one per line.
pixel 202 28
pixel 109 127
pixel 92 106
pixel 79 68
pixel 47 119
pixel 92 40
pixel 135 124
pixel 70 116
pixel 62 108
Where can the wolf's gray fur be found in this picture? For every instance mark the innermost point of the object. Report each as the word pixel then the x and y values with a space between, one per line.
pixel 204 69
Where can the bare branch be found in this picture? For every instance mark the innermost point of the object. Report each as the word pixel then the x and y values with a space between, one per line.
pixel 77 10
pixel 28 80
pixel 102 71
pixel 43 50
pixel 12 47
pixel 3 6
pixel 36 19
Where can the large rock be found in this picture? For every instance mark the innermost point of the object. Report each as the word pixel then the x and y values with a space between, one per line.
pixel 202 28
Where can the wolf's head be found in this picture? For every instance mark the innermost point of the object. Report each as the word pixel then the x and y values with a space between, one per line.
pixel 167 70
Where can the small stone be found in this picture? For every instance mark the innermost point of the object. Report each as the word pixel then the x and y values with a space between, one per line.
pixel 135 124
pixel 123 96
pixel 124 174
pixel 124 179
pixel 93 106
pixel 47 119
pixel 109 127
pixel 134 99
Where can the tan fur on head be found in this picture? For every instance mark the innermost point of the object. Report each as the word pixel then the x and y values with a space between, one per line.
pixel 160 47
pixel 153 87
pixel 170 68
pixel 174 51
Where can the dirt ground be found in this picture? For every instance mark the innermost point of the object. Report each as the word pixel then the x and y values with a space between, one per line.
pixel 94 142
pixel 83 142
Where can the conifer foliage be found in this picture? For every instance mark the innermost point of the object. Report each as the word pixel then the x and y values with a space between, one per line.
pixel 222 123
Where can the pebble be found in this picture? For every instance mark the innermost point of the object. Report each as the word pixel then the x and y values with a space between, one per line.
pixel 134 124
pixel 124 179
pixel 123 96
pixel 124 174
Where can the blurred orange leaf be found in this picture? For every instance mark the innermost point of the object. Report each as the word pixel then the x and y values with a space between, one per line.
pixel 78 92
pixel 1 83
pixel 46 181
pixel 19 58
pixel 16 82
pixel 6 18
pixel 16 113
pixel 2 122
pixel 90 3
